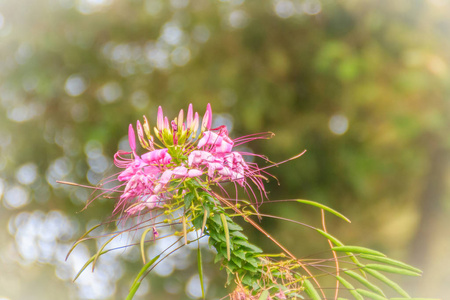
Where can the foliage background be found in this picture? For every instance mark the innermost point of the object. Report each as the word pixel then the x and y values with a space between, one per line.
pixel 362 85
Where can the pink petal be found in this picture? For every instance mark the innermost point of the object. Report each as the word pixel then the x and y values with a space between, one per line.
pixel 160 119
pixel 180 171
pixel 189 116
pixel 194 173
pixel 131 138
pixel 165 177
pixel 207 118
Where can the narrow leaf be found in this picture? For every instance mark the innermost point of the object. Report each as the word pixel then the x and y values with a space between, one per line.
pixel 227 235
pixel 310 290
pixel 200 270
pixel 81 239
pixel 391 269
pixel 264 295
pixel 87 264
pixel 100 250
pixel 350 288
pixel 330 210
pixel 356 249
pixel 370 295
pixel 133 291
pixel 141 272
pixel 365 282
pixel 387 281
pixel 390 262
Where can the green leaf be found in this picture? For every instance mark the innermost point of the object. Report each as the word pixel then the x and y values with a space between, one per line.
pixel 218 257
pixel 188 200
pixel 330 237
pixel 248 246
pixel 136 282
pixel 250 268
pixel 81 239
pixel 133 291
pixel 101 249
pixel 330 210
pixel 370 295
pixel 200 270
pixel 233 226
pixel 365 282
pixel 227 235
pixel 356 249
pixel 237 261
pixel 87 264
pixel 338 243
pixel 390 262
pixel 264 295
pixel 240 254
pixel 217 236
pixel 310 290
pixel 350 288
pixel 387 281
pixel 239 235
pixel 391 269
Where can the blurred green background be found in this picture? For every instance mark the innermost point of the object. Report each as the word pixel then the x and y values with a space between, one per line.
pixel 362 85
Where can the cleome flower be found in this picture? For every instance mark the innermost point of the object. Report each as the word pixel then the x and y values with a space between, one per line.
pixel 206 155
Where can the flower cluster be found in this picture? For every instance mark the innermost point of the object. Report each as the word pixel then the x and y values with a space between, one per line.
pixel 186 152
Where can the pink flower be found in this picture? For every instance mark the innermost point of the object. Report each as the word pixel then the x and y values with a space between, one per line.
pixel 147 178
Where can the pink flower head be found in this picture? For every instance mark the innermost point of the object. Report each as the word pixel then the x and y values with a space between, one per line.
pixel 155 175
